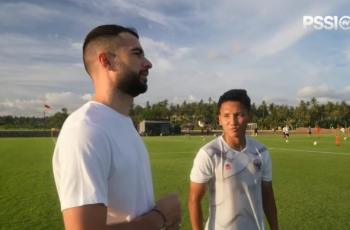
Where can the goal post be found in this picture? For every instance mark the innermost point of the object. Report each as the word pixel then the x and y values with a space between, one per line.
pixel 252 129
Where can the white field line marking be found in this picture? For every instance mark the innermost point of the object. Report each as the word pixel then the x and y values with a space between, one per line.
pixel 310 151
pixel 312 140
pixel 291 150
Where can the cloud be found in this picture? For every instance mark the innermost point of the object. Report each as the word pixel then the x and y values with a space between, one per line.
pixel 20 107
pixel 25 12
pixel 158 53
pixel 163 56
pixel 65 99
pixel 149 15
pixel 160 48
pixel 154 46
pixel 316 91
pixel 30 107
pixel 215 55
pixel 192 98
pixel 16 47
pixel 346 53
pixel 86 97
pixel 285 27
pixel 281 40
pixel 41 76
pixel 198 48
pixel 77 46
pixel 279 100
pixel 130 8
pixel 324 93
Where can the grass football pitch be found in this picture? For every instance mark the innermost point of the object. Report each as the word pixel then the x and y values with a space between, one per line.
pixel 311 182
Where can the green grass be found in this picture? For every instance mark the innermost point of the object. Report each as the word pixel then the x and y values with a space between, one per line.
pixel 28 197
pixel 311 182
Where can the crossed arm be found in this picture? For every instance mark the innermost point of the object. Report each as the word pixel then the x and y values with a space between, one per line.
pixel 93 217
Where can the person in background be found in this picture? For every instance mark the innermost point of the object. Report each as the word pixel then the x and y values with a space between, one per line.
pixel 309 131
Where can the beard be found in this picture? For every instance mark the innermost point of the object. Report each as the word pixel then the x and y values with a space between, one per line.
pixel 132 84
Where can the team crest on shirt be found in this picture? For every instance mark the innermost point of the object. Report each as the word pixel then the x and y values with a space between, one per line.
pixel 257 163
pixel 258 158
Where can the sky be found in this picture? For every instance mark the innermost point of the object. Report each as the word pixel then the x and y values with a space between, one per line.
pixel 199 49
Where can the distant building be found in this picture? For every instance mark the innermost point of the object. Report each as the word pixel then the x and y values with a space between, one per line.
pixel 154 128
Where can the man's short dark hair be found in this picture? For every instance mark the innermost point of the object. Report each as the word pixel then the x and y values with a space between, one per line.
pixel 239 95
pixel 107 31
pixel 104 31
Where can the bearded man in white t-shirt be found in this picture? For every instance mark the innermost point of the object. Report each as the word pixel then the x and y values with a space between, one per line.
pixel 101 166
pixel 236 171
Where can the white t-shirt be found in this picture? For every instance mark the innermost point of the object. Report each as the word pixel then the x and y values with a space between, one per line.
pixel 342 129
pixel 100 158
pixel 234 183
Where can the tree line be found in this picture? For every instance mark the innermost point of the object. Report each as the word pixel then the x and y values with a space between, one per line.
pixel 190 115
pixel 47 122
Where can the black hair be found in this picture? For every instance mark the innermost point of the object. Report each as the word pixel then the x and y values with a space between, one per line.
pixel 239 95
pixel 107 31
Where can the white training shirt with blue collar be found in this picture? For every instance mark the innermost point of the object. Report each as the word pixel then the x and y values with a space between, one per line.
pixel 234 183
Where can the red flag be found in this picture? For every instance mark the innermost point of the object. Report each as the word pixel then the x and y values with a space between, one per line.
pixel 46 106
